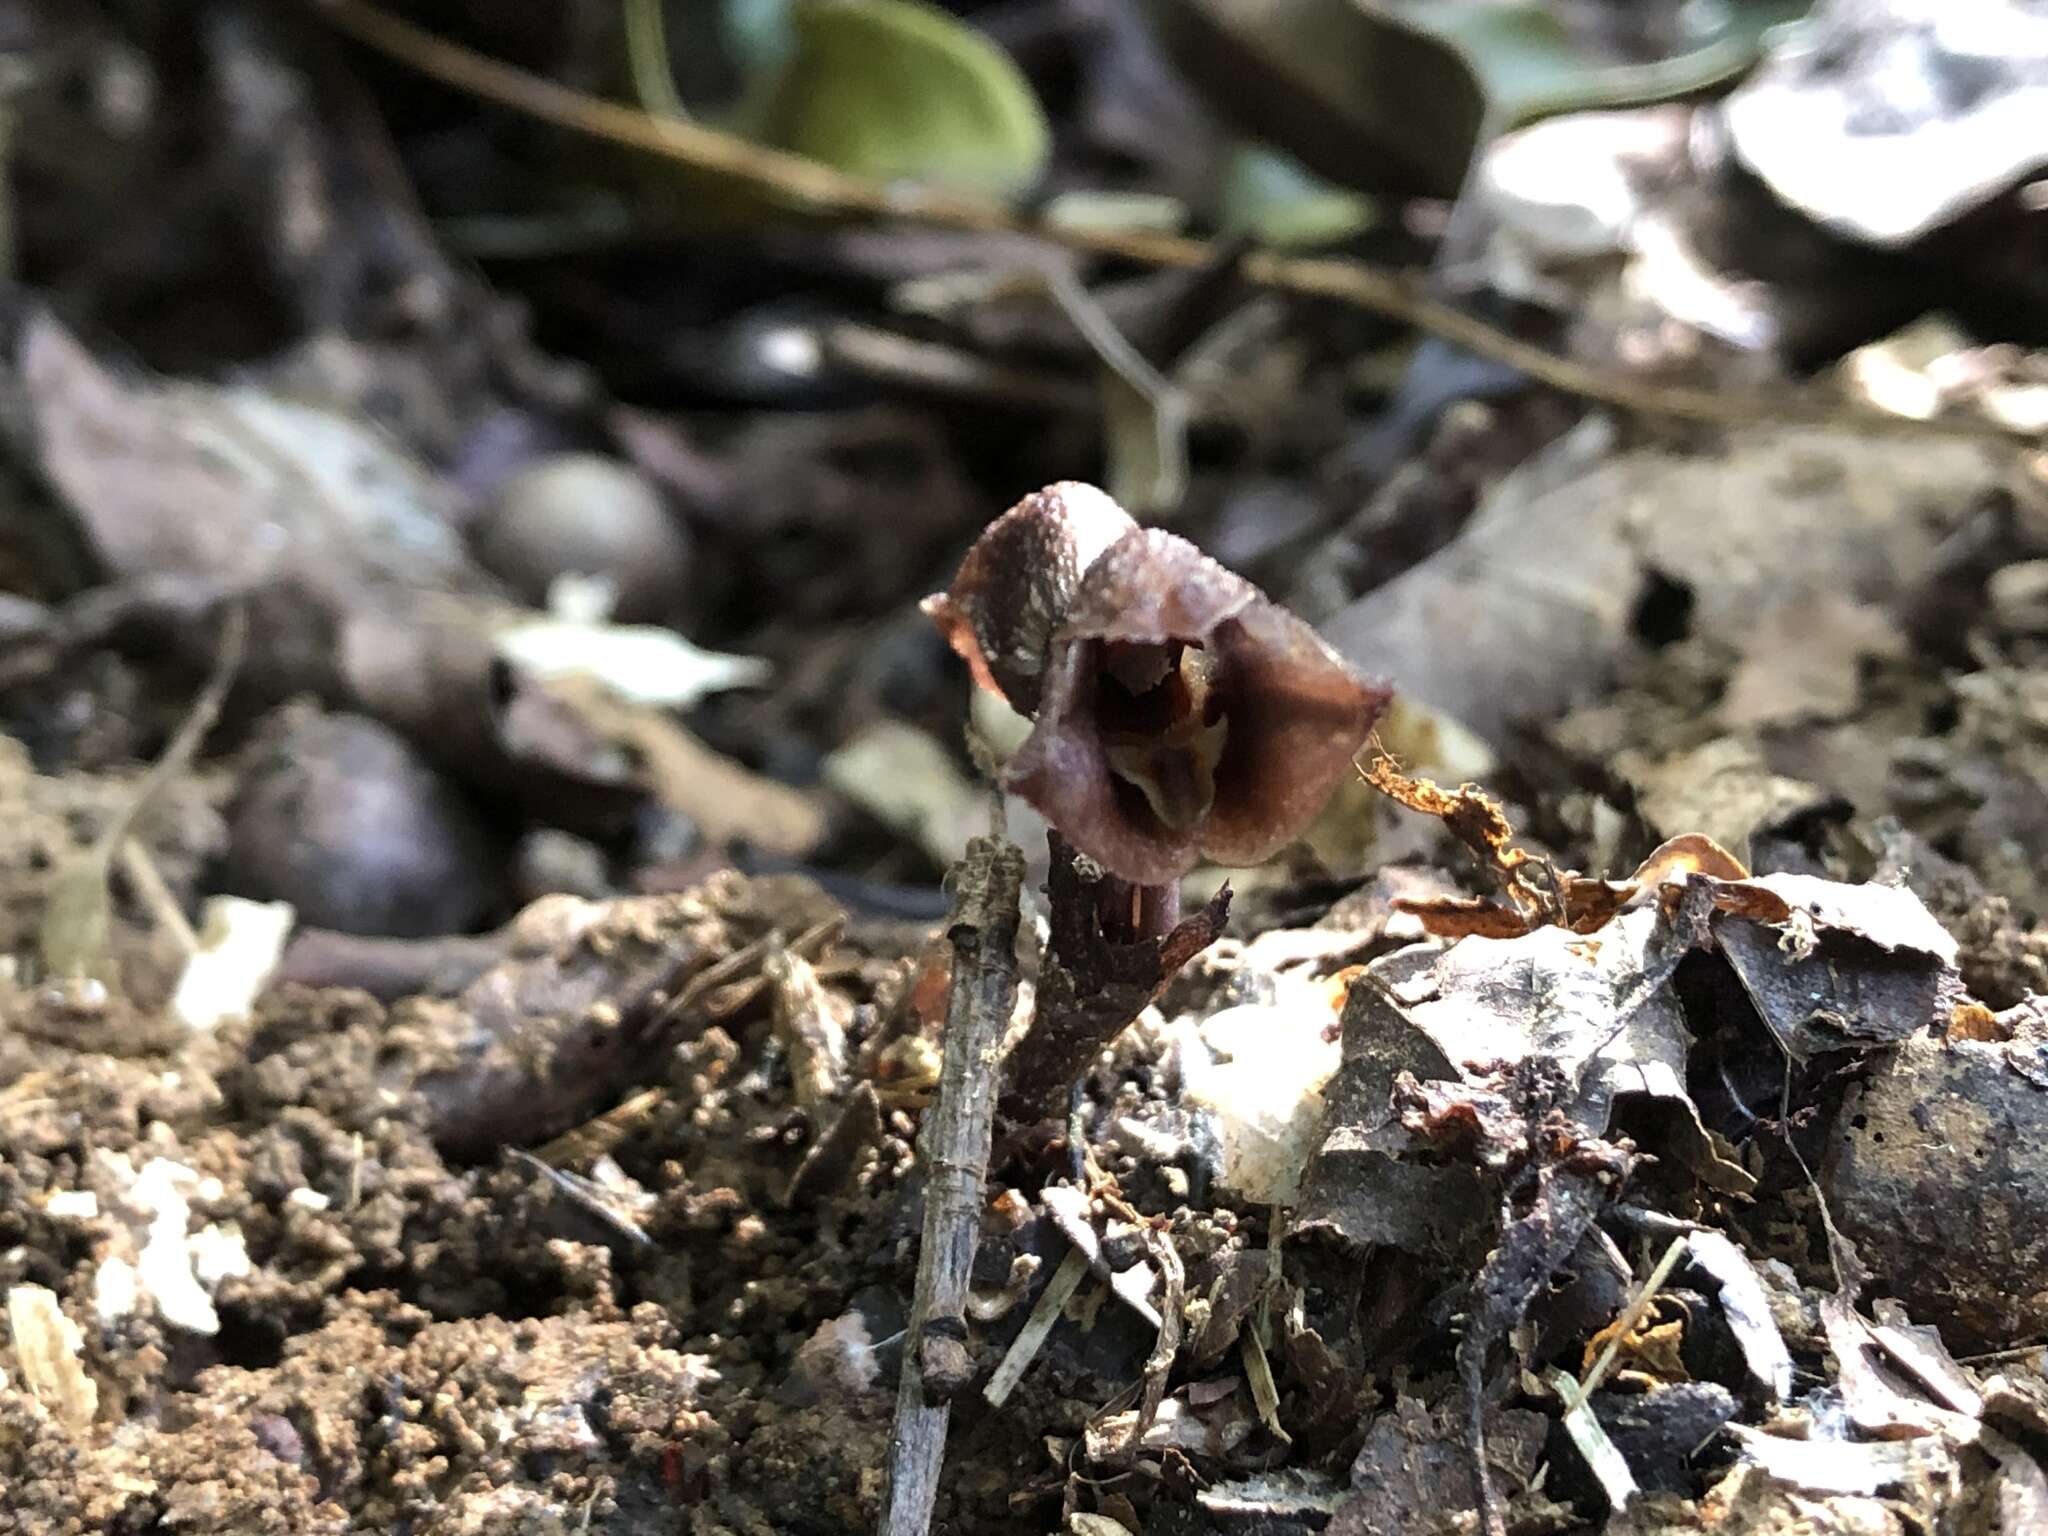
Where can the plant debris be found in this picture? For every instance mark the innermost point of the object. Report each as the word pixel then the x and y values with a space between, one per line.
pixel 1465 952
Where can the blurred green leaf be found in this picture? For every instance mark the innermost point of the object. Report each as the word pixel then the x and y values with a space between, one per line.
pixel 898 90
pixel 1398 95
pixel 1529 66
pixel 1274 197
pixel 758 34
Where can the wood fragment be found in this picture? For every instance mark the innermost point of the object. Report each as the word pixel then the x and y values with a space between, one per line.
pixel 954 1148
pixel 46 1345
pixel 1072 1211
pixel 1605 1461
pixel 808 1026
pixel 1258 1373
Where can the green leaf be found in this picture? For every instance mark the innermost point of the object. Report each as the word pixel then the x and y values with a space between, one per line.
pixel 1271 195
pixel 1529 66
pixel 1398 96
pixel 898 90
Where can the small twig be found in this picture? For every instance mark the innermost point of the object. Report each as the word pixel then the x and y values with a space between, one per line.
pixel 1258 1373
pixel 811 185
pixel 954 1148
pixel 1603 1458
pixel 2000 1356
pixel 1159 1364
pixel 654 80
pixel 1626 1324
pixel 1569 1196
pixel 891 358
pixel 1037 1327
pixel 602 1134
pixel 1127 368
pixel 740 968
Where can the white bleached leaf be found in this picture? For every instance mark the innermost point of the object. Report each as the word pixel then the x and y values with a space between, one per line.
pixel 638 662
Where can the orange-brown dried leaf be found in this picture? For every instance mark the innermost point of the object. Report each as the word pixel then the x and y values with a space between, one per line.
pixel 1753 902
pixel 1476 820
pixel 1971 1020
pixel 1464 917
pixel 1590 904
pixel 1652 1347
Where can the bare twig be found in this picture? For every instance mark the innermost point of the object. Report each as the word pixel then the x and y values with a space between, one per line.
pixel 147 882
pixel 954 1148
pixel 1587 1433
pixel 1570 1194
pixel 1159 1364
pixel 807 184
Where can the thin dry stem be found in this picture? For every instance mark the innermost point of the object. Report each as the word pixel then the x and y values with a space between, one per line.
pixel 954 1148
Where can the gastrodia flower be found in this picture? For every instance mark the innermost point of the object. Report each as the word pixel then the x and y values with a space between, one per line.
pixel 1179 714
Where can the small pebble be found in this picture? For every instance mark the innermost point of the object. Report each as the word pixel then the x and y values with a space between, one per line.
pixel 340 817
pixel 580 514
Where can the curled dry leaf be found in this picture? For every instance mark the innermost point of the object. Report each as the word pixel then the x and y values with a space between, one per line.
pixel 1179 713
pixel 1563 896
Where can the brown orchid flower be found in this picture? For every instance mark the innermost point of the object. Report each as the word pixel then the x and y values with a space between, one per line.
pixel 1179 713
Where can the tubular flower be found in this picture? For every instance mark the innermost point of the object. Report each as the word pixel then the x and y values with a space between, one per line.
pixel 1179 714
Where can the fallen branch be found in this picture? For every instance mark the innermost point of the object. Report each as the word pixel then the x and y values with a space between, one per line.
pixel 810 185
pixel 954 1149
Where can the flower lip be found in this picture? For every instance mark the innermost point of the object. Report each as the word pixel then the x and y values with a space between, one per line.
pixel 1179 712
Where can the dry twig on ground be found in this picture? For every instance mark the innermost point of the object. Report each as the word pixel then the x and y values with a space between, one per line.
pixel 954 1149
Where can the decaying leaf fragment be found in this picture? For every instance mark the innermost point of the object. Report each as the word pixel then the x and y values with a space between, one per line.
pixel 1179 713
pixel 1428 1106
pixel 1831 966
pixel 1536 891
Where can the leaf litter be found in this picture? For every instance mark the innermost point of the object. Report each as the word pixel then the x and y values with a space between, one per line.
pixel 614 1107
